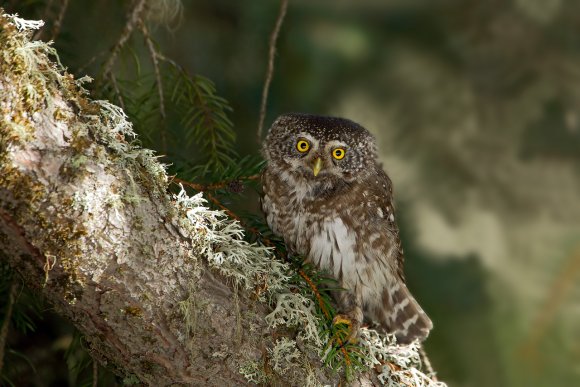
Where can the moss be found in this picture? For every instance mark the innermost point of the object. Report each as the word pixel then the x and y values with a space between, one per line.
pixel 134 311
pixel 31 75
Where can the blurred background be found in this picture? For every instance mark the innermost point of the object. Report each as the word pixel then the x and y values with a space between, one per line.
pixel 475 105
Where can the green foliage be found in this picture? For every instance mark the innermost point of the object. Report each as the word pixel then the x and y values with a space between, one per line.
pixel 203 115
pixel 177 114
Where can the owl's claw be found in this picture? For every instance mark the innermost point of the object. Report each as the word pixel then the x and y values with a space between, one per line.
pixel 353 327
pixel 341 319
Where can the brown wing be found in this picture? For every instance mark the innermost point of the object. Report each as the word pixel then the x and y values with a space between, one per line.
pixel 396 310
pixel 383 191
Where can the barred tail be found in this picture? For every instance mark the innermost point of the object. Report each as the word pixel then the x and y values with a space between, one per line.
pixel 402 315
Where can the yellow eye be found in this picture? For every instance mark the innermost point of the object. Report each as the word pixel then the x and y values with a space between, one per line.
pixel 302 146
pixel 338 153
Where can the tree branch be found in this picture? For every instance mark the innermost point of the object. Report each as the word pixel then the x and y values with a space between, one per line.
pixel 270 71
pixel 133 19
pixel 158 82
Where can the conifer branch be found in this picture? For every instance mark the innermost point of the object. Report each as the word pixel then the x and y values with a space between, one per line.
pixel 153 53
pixel 117 90
pixel 45 16
pixel 217 185
pixel 326 313
pixel 58 22
pixel 270 71
pixel 133 19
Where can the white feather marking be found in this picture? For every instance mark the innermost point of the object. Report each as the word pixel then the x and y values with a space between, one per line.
pixel 410 321
pixel 401 305
pixel 341 247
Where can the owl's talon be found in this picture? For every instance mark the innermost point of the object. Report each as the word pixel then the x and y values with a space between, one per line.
pixel 353 327
pixel 341 319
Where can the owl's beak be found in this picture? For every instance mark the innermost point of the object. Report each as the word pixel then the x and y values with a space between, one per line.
pixel 316 166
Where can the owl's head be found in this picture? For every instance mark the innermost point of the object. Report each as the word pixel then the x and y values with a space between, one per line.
pixel 320 148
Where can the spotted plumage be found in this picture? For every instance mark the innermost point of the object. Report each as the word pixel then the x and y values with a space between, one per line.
pixel 327 196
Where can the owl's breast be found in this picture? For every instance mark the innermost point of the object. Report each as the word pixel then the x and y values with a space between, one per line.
pixel 334 231
pixel 332 246
pixel 292 211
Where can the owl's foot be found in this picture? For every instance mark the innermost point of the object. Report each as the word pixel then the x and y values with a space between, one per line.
pixel 353 327
pixel 341 319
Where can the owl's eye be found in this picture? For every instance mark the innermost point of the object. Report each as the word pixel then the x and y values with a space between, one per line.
pixel 338 153
pixel 302 146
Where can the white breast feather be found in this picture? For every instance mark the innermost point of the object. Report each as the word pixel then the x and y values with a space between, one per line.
pixel 321 248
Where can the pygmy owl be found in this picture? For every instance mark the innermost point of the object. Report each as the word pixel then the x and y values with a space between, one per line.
pixel 328 197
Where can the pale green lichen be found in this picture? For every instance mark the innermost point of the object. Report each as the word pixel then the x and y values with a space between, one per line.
pixel 284 355
pixel 297 311
pixel 253 371
pixel 220 239
pixel 23 24
pixel 400 364
pixel 115 129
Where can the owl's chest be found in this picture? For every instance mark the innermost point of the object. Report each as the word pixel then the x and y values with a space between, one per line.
pixel 317 228
pixel 294 215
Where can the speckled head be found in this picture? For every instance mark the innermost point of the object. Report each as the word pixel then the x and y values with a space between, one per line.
pixel 319 147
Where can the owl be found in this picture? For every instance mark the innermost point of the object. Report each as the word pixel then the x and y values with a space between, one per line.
pixel 327 196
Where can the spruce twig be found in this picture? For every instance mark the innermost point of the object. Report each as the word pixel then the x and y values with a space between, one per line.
pixel 45 16
pixel 158 82
pixel 215 186
pixel 225 183
pixel 217 203
pixel 315 291
pixel 325 311
pixel 117 90
pixel 270 71
pixel 58 22
pixel 133 19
